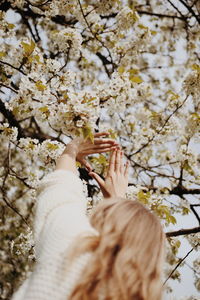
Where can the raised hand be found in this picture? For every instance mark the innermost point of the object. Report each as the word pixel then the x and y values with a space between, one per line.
pixel 116 181
pixel 79 148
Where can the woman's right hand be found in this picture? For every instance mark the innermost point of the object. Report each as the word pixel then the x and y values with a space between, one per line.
pixel 116 181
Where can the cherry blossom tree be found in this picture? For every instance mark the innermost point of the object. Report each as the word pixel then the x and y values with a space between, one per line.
pixel 76 67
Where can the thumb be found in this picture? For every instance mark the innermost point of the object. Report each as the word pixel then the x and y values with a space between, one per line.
pixel 99 180
pixel 86 164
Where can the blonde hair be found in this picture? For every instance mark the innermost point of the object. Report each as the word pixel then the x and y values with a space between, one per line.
pixel 127 256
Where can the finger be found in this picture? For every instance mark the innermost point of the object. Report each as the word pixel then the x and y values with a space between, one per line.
pixel 85 163
pixel 121 162
pixel 101 146
pixel 126 171
pixel 105 141
pixel 101 134
pixel 97 148
pixel 118 161
pixel 111 167
pixel 99 180
pixel 101 150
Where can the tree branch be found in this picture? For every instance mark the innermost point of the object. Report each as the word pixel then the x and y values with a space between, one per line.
pixel 180 190
pixel 183 232
pixel 17 69
pixel 190 10
pixel 176 8
pixel 149 13
pixel 8 87
pixel 194 211
pixel 26 22
pixel 105 62
pixel 142 12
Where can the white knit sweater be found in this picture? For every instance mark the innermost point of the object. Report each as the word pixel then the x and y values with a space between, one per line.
pixel 60 218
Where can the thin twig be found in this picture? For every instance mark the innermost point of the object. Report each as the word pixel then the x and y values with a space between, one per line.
pixel 13 208
pixel 180 262
pixel 8 87
pixel 7 167
pixel 176 8
pixel 160 130
pixel 190 10
pixel 7 64
pixel 94 35
pixel 194 211
pixel 60 68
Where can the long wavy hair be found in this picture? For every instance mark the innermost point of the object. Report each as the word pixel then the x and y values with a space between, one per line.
pixel 127 255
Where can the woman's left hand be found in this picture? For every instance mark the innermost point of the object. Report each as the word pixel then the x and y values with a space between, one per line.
pixel 79 148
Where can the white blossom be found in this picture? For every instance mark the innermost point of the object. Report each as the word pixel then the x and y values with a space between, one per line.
pixel 7 132
pixel 66 39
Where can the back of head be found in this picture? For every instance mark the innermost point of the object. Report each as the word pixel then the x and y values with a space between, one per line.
pixel 127 255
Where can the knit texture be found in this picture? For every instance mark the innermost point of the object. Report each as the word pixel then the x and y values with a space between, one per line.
pixel 60 219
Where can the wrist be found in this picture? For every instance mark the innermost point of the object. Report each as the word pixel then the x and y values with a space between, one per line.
pixel 71 150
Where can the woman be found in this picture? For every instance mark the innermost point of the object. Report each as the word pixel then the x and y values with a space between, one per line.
pixel 117 254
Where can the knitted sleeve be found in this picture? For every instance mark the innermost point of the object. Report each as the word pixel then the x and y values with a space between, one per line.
pixel 55 190
pixel 60 218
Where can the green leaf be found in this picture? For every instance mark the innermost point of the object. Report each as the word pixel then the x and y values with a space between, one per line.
pixel 100 160
pixel 153 32
pixel 172 219
pixel 163 212
pixel 34 57
pixel 2 54
pixel 185 210
pixel 52 146
pixel 44 109
pixel 87 133
pixel 135 79
pixel 31 145
pixel 132 126
pixel 11 26
pixel 78 164
pixel 133 71
pixel 40 86
pixel 175 245
pixel 3 77
pixel 28 48
pixel 134 15
pixel 196 67
pixel 143 27
pixel 112 134
pixel 187 167
pixel 143 196
pixel 174 96
pixel 121 70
